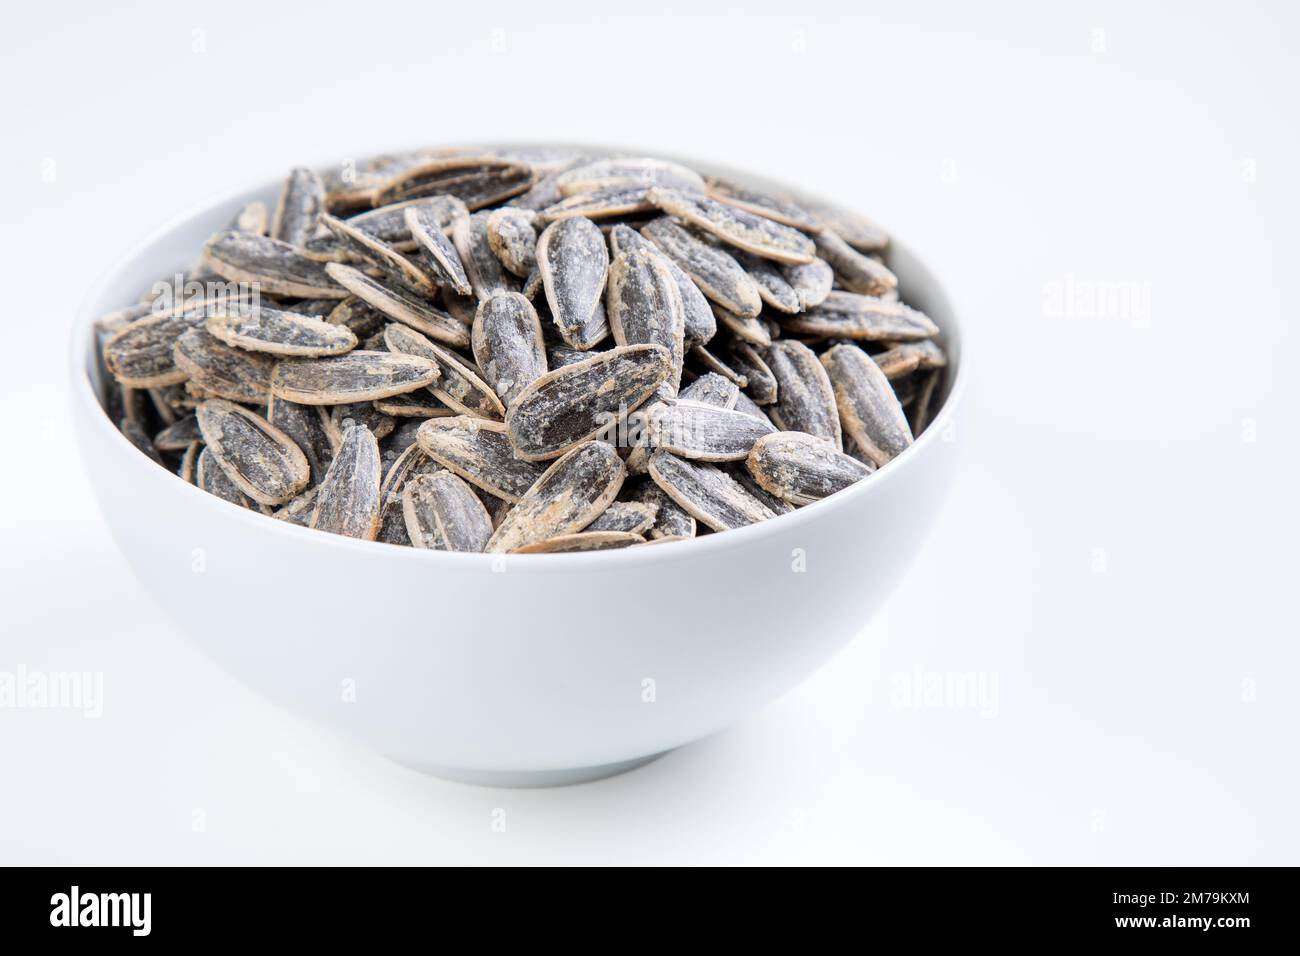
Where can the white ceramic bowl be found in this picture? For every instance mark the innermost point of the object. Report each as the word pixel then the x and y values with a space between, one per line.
pixel 525 670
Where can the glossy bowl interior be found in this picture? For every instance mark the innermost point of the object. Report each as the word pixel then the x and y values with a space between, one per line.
pixel 518 670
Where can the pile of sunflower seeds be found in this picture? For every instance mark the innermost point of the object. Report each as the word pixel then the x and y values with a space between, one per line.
pixel 525 351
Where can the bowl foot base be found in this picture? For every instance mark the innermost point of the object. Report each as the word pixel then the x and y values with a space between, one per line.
pixel 531 778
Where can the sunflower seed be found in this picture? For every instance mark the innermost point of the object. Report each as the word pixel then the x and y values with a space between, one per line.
pixel 644 307
pixel 347 500
pixel 704 432
pixel 458 386
pixel 260 459
pixel 761 383
pixel 402 438
pixel 314 308
pixel 909 357
pixel 543 160
pixel 253 218
pixel 736 227
pixel 777 505
pixel 477 181
pixel 574 403
pixel 392 527
pixel 224 371
pixel 141 354
pixel 746 404
pixel 390 223
pixel 171 402
pixel 361 413
pixel 667 539
pixel 706 492
pixel 440 253
pixel 532 285
pixel 805 401
pixel 848 315
pixel 601 204
pixel 279 333
pixel 392 265
pixel 352 184
pixel 800 468
pixel 769 206
pixel 565 499
pixel 699 323
pixel 412 461
pixel 573 261
pixel 630 517
pixel 545 192
pixel 164 411
pixel 356 377
pixel 400 305
pixel 360 318
pixel 513 239
pixel 180 398
pixel 858 273
pixel 302 200
pixel 558 356
pixel 712 389
pixel 507 343
pixel 480 452
pixel 581 541
pixel 326 247
pixel 195 393
pixel 309 427
pixel 189 461
pixel 461 307
pixel 716 274
pixel 273 266
pixel 496 507
pixel 811 281
pixel 178 435
pixel 858 231
pixel 593 333
pixel 442 511
pixel 484 270
pixel 771 282
pixel 413 405
pixel 671 519
pixel 299 510
pixel 714 364
pixel 210 477
pixel 867 405
pixel 853 451
pixel 745 328
pixel 629 171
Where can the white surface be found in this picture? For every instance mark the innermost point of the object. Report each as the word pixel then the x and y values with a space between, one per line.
pixel 1011 155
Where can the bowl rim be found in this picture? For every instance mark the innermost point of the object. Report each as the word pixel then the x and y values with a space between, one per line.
pixel 87 312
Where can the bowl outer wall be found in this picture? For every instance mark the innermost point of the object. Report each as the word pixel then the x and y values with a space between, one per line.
pixel 516 663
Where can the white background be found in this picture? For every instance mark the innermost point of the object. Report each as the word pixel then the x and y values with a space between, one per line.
pixel 1119 552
